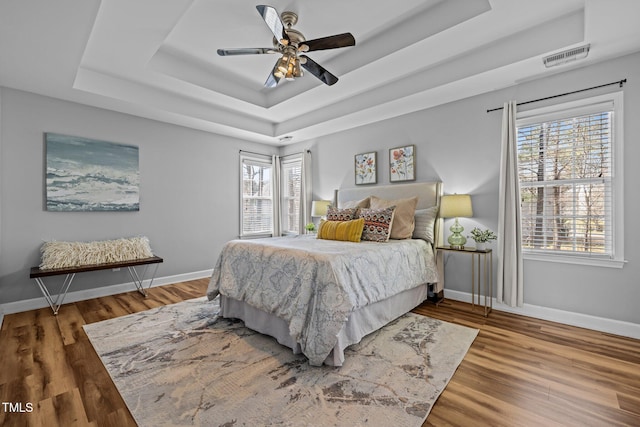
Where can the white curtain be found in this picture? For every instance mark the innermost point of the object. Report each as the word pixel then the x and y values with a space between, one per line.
pixel 277 185
pixel 306 191
pixel 510 265
pixel 304 214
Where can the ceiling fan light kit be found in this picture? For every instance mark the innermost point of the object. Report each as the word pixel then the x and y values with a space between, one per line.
pixel 288 66
pixel 290 43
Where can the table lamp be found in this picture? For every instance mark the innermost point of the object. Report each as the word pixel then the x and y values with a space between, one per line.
pixel 319 208
pixel 456 206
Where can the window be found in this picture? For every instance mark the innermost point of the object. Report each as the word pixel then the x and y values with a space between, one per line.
pixel 570 174
pixel 291 194
pixel 272 195
pixel 256 218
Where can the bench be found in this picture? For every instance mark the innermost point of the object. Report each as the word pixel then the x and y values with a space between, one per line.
pixel 70 272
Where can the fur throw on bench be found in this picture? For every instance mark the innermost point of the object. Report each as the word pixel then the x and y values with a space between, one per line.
pixel 76 254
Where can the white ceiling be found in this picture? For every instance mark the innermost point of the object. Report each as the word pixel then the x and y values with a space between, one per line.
pixel 157 59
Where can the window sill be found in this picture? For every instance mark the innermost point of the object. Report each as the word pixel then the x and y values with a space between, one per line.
pixel 255 236
pixel 565 259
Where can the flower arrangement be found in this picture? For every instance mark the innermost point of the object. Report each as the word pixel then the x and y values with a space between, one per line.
pixel 482 236
pixel 311 227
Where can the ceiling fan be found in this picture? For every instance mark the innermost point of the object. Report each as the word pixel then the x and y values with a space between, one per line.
pixel 292 45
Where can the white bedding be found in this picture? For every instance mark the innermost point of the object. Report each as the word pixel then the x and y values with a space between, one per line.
pixel 315 285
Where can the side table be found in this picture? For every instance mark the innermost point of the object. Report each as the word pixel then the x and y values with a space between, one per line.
pixel 481 275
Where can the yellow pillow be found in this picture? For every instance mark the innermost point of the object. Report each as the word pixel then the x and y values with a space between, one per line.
pixel 347 231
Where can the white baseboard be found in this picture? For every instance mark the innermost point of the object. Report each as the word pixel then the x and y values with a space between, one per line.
pixel 611 326
pixel 602 324
pixel 36 303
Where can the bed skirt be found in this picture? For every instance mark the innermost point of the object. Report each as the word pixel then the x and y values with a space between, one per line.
pixel 360 323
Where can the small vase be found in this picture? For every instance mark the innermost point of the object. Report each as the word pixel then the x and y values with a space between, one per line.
pixel 481 246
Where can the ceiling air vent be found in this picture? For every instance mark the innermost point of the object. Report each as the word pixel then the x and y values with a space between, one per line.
pixel 566 56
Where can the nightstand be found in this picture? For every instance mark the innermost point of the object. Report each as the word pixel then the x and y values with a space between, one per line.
pixel 481 275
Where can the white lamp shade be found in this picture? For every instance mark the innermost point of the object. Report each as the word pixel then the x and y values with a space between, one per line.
pixel 456 206
pixel 319 207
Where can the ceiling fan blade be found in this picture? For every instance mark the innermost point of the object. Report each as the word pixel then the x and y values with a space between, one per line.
pixel 272 80
pixel 246 51
pixel 272 18
pixel 330 42
pixel 318 70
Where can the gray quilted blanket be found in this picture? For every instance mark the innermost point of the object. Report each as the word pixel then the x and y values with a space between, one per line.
pixel 315 284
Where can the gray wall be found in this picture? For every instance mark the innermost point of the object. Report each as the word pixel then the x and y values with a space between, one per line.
pixel 188 191
pixel 189 196
pixel 459 143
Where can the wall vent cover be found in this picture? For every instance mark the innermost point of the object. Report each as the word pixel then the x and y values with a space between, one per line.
pixel 563 57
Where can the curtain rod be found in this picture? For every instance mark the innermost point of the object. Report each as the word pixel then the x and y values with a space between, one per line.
pixel 619 82
pixel 296 154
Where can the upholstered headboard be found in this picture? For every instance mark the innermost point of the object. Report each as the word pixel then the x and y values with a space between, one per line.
pixel 429 194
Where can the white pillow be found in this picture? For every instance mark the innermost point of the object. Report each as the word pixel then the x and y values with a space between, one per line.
pixel 425 220
pixel 75 254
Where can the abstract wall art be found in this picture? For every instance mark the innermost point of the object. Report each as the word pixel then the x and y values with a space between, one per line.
pixel 84 174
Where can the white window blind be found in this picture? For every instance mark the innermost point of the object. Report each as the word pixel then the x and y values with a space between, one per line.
pixel 567 179
pixel 256 197
pixel 291 195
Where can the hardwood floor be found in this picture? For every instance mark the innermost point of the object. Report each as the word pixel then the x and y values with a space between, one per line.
pixel 522 371
pixel 519 371
pixel 48 361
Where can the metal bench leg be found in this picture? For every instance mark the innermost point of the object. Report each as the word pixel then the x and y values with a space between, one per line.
pixel 139 280
pixel 62 293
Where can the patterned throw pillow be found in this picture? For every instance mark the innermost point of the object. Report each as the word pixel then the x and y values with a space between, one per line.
pixel 336 214
pixel 346 231
pixel 403 221
pixel 377 223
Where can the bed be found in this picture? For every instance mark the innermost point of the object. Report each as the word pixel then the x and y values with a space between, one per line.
pixel 319 296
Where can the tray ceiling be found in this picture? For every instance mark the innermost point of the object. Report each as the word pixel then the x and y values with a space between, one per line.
pixel 157 59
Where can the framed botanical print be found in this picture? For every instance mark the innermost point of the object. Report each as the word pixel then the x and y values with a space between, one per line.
pixel 365 168
pixel 402 164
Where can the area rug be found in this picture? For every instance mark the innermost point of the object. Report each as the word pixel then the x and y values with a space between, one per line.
pixel 182 365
